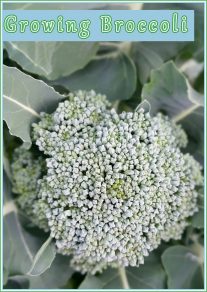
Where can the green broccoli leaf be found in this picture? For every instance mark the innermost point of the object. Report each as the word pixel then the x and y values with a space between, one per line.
pixel 19 251
pixel 170 92
pixel 9 144
pixel 20 248
pixel 183 267
pixel 51 59
pixel 17 254
pixel 55 277
pixel 150 275
pixel 23 98
pixel 43 259
pixel 193 124
pixel 113 74
pixel 145 60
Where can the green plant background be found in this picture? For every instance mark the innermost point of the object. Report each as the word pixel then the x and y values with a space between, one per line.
pixel 170 76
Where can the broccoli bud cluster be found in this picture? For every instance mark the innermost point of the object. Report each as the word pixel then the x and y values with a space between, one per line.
pixel 27 169
pixel 115 184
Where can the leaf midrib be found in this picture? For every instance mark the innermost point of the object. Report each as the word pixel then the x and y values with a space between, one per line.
pixel 21 105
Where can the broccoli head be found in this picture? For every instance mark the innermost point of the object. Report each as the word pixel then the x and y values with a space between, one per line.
pixel 115 184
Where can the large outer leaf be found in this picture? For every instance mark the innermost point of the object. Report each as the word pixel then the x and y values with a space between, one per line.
pixel 7 241
pixel 23 98
pixel 44 258
pixel 19 251
pixel 55 277
pixel 145 60
pixel 16 249
pixel 193 124
pixel 7 252
pixel 113 75
pixel 148 276
pixel 9 144
pixel 51 59
pixel 170 92
pixel 165 50
pixel 20 248
pixel 183 268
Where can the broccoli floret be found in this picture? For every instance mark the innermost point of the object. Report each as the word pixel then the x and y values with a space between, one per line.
pixel 116 184
pixel 27 169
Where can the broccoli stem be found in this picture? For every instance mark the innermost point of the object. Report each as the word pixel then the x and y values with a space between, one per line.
pixel 123 276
